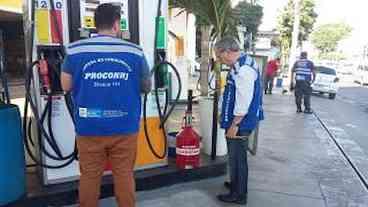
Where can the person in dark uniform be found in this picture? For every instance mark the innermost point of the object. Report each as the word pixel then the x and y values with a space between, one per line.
pixel 304 74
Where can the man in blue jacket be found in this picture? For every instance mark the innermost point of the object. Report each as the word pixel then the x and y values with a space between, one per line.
pixel 241 112
pixel 106 76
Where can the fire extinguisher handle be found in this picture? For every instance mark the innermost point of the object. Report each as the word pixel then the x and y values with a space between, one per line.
pixel 183 121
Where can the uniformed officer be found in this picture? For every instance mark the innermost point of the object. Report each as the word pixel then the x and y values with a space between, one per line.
pixel 304 74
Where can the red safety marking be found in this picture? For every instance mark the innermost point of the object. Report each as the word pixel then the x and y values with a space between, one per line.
pixel 54 32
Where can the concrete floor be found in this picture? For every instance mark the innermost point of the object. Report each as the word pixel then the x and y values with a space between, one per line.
pixel 297 164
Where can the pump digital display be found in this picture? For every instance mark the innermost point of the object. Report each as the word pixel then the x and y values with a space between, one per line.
pixel 88 8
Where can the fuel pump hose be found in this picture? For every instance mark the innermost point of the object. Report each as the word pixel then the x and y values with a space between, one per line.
pixel 40 121
pixel 160 62
pixel 163 116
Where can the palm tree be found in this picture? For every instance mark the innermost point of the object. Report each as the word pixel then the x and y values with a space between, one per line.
pixel 215 19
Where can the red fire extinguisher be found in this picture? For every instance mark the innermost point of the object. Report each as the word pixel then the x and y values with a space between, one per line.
pixel 187 141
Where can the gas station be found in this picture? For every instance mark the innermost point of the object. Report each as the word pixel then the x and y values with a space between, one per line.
pixel 51 165
pixel 303 160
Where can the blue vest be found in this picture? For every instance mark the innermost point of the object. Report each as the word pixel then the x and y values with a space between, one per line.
pixel 255 111
pixel 303 70
pixel 106 75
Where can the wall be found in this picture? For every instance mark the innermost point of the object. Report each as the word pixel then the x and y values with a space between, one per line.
pixel 183 26
pixel 11 5
pixel 147 15
pixel 13 48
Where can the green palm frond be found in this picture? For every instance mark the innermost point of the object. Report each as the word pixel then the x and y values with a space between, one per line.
pixel 215 13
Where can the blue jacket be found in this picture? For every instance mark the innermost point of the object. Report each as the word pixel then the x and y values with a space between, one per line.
pixel 303 69
pixel 106 74
pixel 255 111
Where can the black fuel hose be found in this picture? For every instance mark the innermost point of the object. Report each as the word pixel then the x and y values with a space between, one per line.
pixel 47 134
pixel 163 116
pixel 29 101
pixel 39 121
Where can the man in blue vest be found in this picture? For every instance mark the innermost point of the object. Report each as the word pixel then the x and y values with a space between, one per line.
pixel 241 112
pixel 106 76
pixel 304 74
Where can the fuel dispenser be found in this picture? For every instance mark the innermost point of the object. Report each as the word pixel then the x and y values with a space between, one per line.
pixel 49 133
pixel 50 136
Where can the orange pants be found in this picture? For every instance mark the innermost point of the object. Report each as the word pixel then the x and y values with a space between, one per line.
pixel 94 152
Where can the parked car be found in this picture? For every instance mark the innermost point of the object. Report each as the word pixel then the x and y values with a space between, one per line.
pixel 361 74
pixel 346 68
pixel 326 81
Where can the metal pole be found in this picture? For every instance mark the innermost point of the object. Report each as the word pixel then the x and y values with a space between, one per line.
pixel 3 76
pixel 214 125
pixel 295 39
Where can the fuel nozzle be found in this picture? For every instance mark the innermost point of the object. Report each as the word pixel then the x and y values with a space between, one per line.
pixel 43 70
pixel 188 114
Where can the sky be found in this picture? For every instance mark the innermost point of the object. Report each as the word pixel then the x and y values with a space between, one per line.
pixel 353 12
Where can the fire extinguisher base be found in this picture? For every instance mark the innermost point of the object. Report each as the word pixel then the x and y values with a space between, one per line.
pixel 187 149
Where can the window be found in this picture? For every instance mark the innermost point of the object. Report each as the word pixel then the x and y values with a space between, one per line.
pixel 325 70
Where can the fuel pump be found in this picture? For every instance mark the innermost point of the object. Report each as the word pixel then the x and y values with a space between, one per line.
pixel 49 133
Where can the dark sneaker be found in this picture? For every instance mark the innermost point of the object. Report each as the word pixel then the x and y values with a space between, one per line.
pixel 299 111
pixel 231 198
pixel 242 200
pixel 308 111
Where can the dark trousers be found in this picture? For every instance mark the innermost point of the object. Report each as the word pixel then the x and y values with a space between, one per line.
pixel 269 83
pixel 303 89
pixel 238 164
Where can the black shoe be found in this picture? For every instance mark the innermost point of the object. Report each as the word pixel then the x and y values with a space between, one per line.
pixel 231 198
pixel 227 185
pixel 299 111
pixel 308 111
pixel 242 200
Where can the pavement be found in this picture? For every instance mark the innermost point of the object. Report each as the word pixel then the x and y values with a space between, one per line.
pixel 297 164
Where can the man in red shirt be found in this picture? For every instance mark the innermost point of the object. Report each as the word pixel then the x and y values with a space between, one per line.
pixel 271 70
